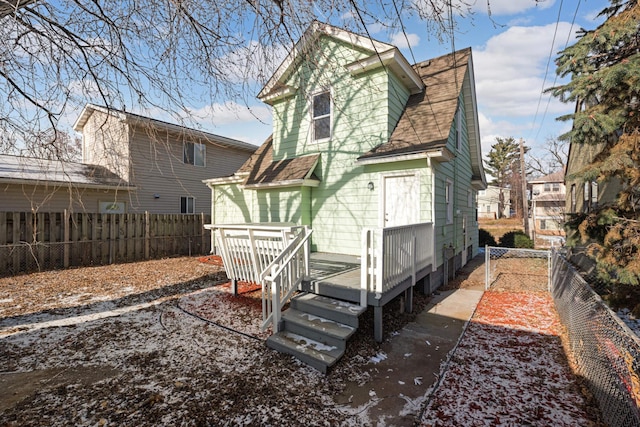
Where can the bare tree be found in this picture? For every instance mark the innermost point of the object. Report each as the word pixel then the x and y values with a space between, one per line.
pixel 167 56
pixel 553 158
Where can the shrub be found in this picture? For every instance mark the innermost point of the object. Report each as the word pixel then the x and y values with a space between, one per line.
pixel 516 239
pixel 485 238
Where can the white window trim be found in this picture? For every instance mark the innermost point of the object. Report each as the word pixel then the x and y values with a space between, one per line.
pixel 195 149
pixel 313 119
pixel 187 204
pixel 449 198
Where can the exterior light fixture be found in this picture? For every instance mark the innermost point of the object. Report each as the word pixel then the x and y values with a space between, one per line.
pixel 370 186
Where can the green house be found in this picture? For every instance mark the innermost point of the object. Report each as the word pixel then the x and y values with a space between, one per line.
pixel 363 140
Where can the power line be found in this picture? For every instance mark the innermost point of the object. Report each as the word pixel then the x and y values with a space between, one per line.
pixel 566 43
pixel 546 71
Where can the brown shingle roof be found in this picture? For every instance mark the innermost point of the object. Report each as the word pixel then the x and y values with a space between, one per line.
pixel 262 169
pixel 427 118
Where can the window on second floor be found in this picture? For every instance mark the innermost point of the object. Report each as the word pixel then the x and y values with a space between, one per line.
pixel 194 153
pixel 187 205
pixel 555 187
pixel 448 195
pixel 321 115
pixel 573 198
pixel 547 186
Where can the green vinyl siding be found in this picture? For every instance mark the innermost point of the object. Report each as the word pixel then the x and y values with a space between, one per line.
pixel 365 109
pixel 234 205
pixel 459 172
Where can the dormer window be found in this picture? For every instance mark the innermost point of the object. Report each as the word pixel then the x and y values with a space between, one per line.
pixel 321 115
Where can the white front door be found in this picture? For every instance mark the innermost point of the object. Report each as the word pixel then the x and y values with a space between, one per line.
pixel 401 200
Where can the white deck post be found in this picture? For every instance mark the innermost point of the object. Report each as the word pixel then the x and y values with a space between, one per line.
pixel 365 265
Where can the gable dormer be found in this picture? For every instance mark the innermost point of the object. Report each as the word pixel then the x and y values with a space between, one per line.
pixel 337 90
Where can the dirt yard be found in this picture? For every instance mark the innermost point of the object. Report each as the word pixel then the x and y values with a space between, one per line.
pixel 165 343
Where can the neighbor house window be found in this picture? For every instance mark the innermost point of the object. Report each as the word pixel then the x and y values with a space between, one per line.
pixel 194 153
pixel 573 198
pixel 543 224
pixel 449 201
pixel 556 186
pixel 594 194
pixel 187 205
pixel 547 187
pixel 321 114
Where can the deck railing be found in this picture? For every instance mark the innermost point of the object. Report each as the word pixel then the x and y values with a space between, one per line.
pixel 392 255
pixel 282 277
pixel 247 249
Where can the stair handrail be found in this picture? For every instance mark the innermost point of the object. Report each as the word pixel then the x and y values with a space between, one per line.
pixel 277 288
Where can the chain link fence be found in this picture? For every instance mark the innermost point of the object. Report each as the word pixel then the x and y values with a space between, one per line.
pixel 606 351
pixel 509 269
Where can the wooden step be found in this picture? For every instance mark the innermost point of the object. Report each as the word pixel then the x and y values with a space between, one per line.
pixel 328 308
pixel 317 328
pixel 315 354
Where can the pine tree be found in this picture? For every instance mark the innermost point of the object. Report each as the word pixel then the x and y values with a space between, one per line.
pixel 503 164
pixel 604 65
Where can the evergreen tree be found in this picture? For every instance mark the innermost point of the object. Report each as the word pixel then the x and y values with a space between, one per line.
pixel 503 164
pixel 604 65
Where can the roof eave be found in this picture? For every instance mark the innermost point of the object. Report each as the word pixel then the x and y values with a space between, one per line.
pixel 441 155
pixel 393 59
pixel 234 179
pixel 305 182
pixel 36 182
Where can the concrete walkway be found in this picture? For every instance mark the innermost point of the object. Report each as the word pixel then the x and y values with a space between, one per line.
pixel 409 363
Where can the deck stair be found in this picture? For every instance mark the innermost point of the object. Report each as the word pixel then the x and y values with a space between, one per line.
pixel 316 329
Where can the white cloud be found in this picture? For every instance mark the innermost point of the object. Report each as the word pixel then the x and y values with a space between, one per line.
pixel 510 70
pixel 230 112
pixel 508 7
pixel 400 41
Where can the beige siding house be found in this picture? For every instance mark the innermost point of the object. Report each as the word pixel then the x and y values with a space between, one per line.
pixel 130 164
pixel 489 203
pixel 548 209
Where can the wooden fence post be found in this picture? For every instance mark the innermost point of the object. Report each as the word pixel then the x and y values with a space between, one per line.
pixel 147 235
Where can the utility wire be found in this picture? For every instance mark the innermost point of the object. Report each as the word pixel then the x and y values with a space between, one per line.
pixel 355 7
pixel 544 81
pixel 566 43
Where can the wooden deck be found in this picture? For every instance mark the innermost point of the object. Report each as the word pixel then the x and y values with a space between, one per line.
pixel 338 276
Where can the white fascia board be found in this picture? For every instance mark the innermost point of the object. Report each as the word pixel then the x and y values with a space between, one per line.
pixel 442 155
pixel 281 184
pixel 284 92
pixel 394 60
pixel 223 180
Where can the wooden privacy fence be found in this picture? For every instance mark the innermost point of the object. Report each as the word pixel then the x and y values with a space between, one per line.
pixel 48 240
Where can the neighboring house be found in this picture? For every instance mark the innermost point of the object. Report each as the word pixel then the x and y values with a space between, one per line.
pixel 548 209
pixel 584 195
pixel 130 164
pixel 35 185
pixel 489 202
pixel 364 140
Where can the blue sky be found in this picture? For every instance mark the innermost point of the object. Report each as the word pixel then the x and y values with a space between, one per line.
pixel 511 51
